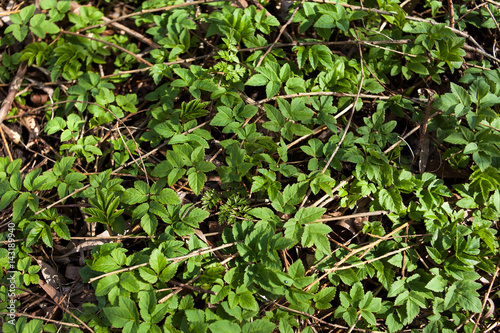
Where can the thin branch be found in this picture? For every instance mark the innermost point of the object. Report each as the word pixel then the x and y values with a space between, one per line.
pixel 154 10
pixel 280 33
pixel 135 56
pixel 340 43
pixel 53 302
pixel 322 93
pixel 61 200
pixel 198 252
pixel 41 318
pixel 352 216
pixel 358 250
pixel 14 87
pixel 497 270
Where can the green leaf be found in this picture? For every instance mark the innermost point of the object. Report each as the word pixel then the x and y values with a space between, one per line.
pixel 129 282
pixel 33 326
pixel 436 284
pixel 169 272
pixel 196 180
pixel 157 261
pixel 105 284
pixel 149 221
pixel 350 316
pixel 224 326
pixel 19 206
pixel 309 214
pixel 167 196
pixel 148 274
pixel 315 234
pixel 418 68
pixel 272 88
pixel 120 316
pixel 259 326
pixel 391 200
pixel 257 80
pixel 7 198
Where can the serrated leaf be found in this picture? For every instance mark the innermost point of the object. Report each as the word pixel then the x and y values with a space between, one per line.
pixel 259 326
pixel 436 284
pixel 105 284
pixel 224 326
pixel 197 181
pixel 418 68
pixel 167 196
pixel 309 214
pixel 257 80
pixel 149 222
pixel 129 282
pixel 148 274
pixel 157 261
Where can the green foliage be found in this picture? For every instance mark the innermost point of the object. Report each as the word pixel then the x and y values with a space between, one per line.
pixel 233 158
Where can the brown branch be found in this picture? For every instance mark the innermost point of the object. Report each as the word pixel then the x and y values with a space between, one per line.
pixel 321 93
pixel 452 13
pixel 346 42
pixel 53 302
pixel 154 10
pixel 14 87
pixel 135 56
pixel 41 318
pixel 497 270
pixel 61 200
pixel 187 286
pixel 358 250
pixel 198 252
pixel 280 33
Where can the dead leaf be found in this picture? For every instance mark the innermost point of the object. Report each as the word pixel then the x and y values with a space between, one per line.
pixel 50 275
pixel 51 291
pixel 72 272
pixel 11 134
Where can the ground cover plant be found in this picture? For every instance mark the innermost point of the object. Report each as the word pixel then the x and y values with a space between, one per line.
pixel 249 166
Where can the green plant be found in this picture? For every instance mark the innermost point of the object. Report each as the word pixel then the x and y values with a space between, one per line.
pixel 253 170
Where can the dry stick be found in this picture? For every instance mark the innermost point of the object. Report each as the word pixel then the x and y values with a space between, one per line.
pixel 14 87
pixel 492 17
pixel 280 33
pixel 53 302
pixel 388 254
pixel 322 93
pixel 408 134
pixel 154 10
pixel 187 286
pixel 140 70
pixel 137 57
pixel 128 31
pixel 452 13
pixel 125 144
pixel 61 200
pixel 108 237
pixel 6 144
pixel 131 32
pixel 317 130
pixel 199 252
pixel 141 157
pixel 311 316
pixel 301 313
pixel 497 270
pixel 352 216
pixel 346 42
pixel 361 249
pixel 42 318
pixel 302 138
